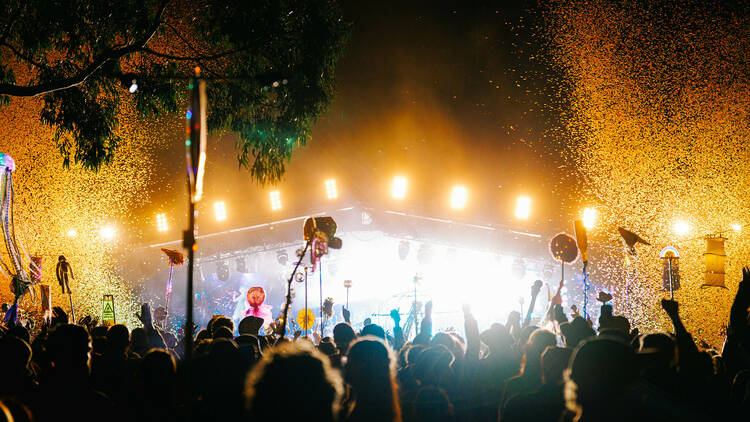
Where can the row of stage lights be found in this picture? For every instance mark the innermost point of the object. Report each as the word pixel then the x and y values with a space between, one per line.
pixel 399 187
pixel 458 199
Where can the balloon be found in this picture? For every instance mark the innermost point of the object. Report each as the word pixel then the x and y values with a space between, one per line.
pixel 255 296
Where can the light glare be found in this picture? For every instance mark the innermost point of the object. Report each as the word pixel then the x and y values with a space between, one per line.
pixel 681 228
pixel 107 232
pixel 523 207
pixel 220 211
pixel 458 197
pixel 72 233
pixel 331 190
pixel 161 222
pixel 398 190
pixel 589 218
pixel 737 227
pixel 275 200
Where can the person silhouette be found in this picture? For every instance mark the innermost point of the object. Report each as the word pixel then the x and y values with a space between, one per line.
pixel 64 272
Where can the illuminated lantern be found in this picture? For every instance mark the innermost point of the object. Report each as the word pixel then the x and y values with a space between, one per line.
pixel 714 259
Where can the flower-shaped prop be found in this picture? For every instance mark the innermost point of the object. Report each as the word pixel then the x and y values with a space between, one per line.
pixel 305 323
pixel 174 258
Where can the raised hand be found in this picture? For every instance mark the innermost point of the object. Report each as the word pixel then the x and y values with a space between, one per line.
pixel 514 318
pixel 396 317
pixel 428 309
pixel 671 307
pixel 576 313
pixel 145 315
pixel 59 316
pixel 346 313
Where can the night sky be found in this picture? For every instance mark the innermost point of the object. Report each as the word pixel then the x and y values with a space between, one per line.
pixel 443 93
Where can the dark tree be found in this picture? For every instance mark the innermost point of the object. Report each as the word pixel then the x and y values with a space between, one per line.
pixel 269 65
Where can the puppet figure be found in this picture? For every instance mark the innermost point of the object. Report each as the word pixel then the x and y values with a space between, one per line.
pixel 64 272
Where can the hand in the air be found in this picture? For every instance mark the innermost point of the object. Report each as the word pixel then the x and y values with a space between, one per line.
pixel 514 318
pixel 346 314
pixel 395 316
pixel 671 307
pixel 59 316
pixel 576 313
pixel 145 315
pixel 428 309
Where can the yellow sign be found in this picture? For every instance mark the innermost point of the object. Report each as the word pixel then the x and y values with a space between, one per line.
pixel 108 310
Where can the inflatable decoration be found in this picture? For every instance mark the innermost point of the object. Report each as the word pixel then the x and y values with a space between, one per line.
pixel 255 298
pixel 15 263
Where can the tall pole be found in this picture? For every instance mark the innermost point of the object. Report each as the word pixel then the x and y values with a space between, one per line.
pixel 304 326
pixel 195 144
pixel 169 292
pixel 320 324
pixel 289 288
pixel 189 243
pixel 671 287
pixel 416 310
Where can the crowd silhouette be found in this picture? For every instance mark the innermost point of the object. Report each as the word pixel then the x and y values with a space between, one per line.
pixel 565 368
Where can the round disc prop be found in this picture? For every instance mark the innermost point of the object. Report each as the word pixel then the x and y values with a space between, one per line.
pixel 563 248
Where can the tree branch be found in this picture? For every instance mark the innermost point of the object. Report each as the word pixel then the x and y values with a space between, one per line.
pixel 9 26
pixel 24 57
pixel 80 77
pixel 190 58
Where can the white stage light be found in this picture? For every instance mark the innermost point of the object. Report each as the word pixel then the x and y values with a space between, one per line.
pixel 523 207
pixel 398 190
pixel 459 197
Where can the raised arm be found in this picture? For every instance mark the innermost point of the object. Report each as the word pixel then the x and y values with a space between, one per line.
pixel 535 288
pixel 425 331
pixel 398 333
pixel 472 335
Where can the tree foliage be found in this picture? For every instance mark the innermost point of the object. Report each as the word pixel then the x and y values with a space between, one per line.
pixel 269 65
